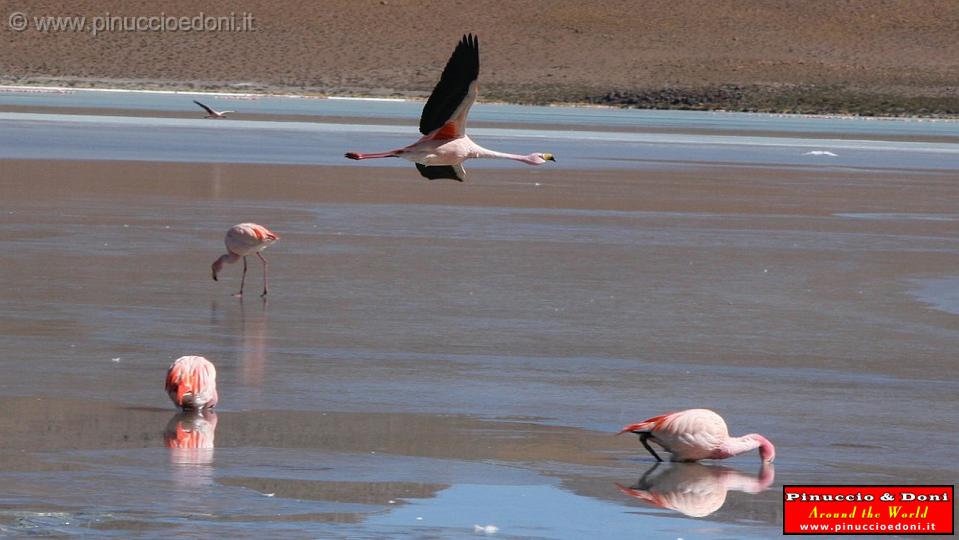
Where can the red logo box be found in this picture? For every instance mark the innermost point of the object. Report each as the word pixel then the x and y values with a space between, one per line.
pixel 840 509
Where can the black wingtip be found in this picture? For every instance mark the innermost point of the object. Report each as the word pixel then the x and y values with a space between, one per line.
pixel 461 70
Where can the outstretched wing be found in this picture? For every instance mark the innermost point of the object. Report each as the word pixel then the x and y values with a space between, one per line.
pixel 207 109
pixel 434 172
pixel 455 93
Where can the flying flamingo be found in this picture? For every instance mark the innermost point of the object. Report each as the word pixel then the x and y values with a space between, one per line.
pixel 242 240
pixel 694 489
pixel 212 113
pixel 444 147
pixel 696 434
pixel 191 383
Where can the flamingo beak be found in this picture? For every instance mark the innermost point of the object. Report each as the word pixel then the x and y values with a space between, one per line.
pixel 549 157
pixel 214 274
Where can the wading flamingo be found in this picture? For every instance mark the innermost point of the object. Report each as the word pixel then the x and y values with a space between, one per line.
pixel 695 489
pixel 696 434
pixel 212 113
pixel 444 146
pixel 242 240
pixel 191 383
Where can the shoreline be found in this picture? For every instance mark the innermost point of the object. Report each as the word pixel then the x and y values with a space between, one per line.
pixel 799 100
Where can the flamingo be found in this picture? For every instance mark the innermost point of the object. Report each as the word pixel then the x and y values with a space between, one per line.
pixel 191 383
pixel 694 489
pixel 696 434
pixel 242 240
pixel 444 146
pixel 212 113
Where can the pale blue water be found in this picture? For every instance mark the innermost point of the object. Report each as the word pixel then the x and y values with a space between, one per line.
pixel 482 112
pixel 32 136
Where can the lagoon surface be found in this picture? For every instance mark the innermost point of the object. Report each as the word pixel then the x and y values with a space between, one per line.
pixel 438 359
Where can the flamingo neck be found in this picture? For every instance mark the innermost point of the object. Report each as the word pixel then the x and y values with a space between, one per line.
pixel 224 259
pixel 738 445
pixel 493 154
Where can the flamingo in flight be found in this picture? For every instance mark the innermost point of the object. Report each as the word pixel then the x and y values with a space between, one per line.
pixel 696 434
pixel 213 113
pixel 444 146
pixel 191 383
pixel 242 240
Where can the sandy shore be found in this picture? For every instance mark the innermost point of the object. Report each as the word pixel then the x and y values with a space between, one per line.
pixel 861 56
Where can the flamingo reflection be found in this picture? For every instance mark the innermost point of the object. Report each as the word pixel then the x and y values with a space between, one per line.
pixel 191 430
pixel 190 437
pixel 254 330
pixel 694 489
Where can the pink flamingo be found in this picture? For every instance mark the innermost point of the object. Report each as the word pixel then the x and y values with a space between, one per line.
pixel 444 147
pixel 242 240
pixel 696 434
pixel 210 113
pixel 191 383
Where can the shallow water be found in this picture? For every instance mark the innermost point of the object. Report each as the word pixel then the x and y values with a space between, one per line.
pixel 466 363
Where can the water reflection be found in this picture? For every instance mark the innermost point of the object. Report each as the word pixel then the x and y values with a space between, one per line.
pixel 254 329
pixel 694 489
pixel 190 437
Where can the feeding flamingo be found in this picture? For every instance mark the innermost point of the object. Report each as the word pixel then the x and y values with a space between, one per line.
pixel 191 383
pixel 212 113
pixel 242 240
pixel 444 147
pixel 696 434
pixel 694 489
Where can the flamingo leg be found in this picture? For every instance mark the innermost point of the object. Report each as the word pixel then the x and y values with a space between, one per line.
pixel 265 264
pixel 242 279
pixel 642 438
pixel 643 482
pixel 374 155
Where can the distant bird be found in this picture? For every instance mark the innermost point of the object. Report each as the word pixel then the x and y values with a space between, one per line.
pixel 695 489
pixel 191 383
pixel 212 113
pixel 444 147
pixel 696 434
pixel 242 240
pixel 820 153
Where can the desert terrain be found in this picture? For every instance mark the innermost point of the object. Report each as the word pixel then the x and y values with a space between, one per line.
pixel 856 56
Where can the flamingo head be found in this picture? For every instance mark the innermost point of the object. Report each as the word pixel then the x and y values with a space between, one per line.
pixel 540 158
pixel 767 452
pixel 218 264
